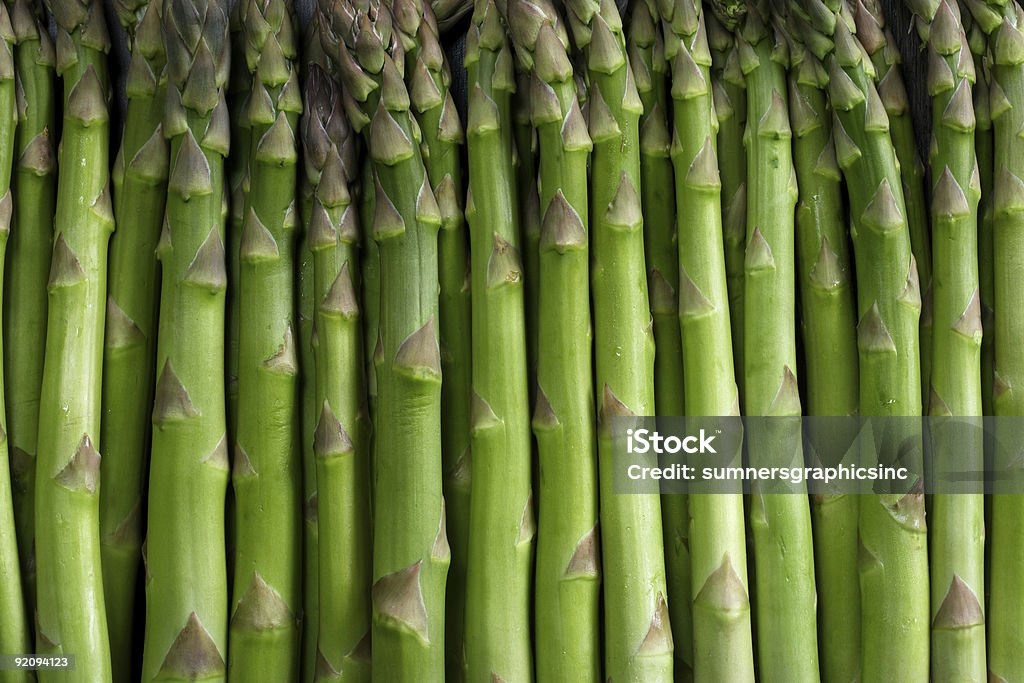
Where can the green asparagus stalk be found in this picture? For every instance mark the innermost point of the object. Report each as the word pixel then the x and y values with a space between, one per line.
pixel 308 408
pixel 526 162
pixel 730 98
pixel 650 69
pixel 370 281
pixel 501 521
pixel 15 636
pixel 342 425
pixel 1004 24
pixel 781 522
pixel 985 152
pixel 722 647
pixel 893 554
pixel 34 197
pixel 567 595
pixel 829 333
pixel 428 77
pixel 140 188
pixel 186 575
pixel 410 554
pixel 239 87
pixel 881 46
pixel 71 613
pixel 264 635
pixel 958 541
pixel 638 642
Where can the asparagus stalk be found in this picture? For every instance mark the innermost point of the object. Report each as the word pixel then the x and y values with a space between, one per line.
pixel 881 46
pixel 71 612
pixel 501 520
pixel 264 636
pixel 15 636
pixel 985 153
pixel 893 554
pixel 428 77
pixel 730 97
pixel 958 543
pixel 140 188
pixel 526 162
pixel 370 280
pixel 308 408
pixel 239 87
pixel 781 522
pixel 186 578
pixel 1004 24
pixel 410 554
pixel 34 199
pixel 342 430
pixel 647 58
pixel 829 333
pixel 567 595
pixel 722 647
pixel 638 642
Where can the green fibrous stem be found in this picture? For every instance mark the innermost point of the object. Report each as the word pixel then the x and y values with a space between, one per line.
pixel 186 634
pixel 501 527
pixel 880 44
pixel 15 633
pixel 29 248
pixel 410 551
pixel 722 645
pixel 237 171
pixel 140 188
pixel 1005 28
pixel 650 69
pixel 781 523
pixel 70 609
pixel 958 540
pixel 428 77
pixel 370 289
pixel 985 153
pixel 342 425
pixel 308 413
pixel 637 637
pixel 567 593
pixel 730 97
pixel 266 601
pixel 893 562
pixel 828 324
pixel 525 161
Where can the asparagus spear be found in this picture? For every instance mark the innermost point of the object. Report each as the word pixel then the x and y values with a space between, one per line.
pixel 1004 24
pixel 308 408
pixel 637 639
pixel 15 636
pixel 428 77
pixel 781 522
pixel 730 97
pixel 140 188
pixel 410 554
pixel 71 613
pixel 893 554
pixel 186 578
pixel 722 648
pixel 501 521
pixel 341 431
pixel 526 163
pixel 647 58
pixel 881 46
pixel 264 636
pixel 985 152
pixel 829 333
pixel 958 544
pixel 34 199
pixel 567 595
